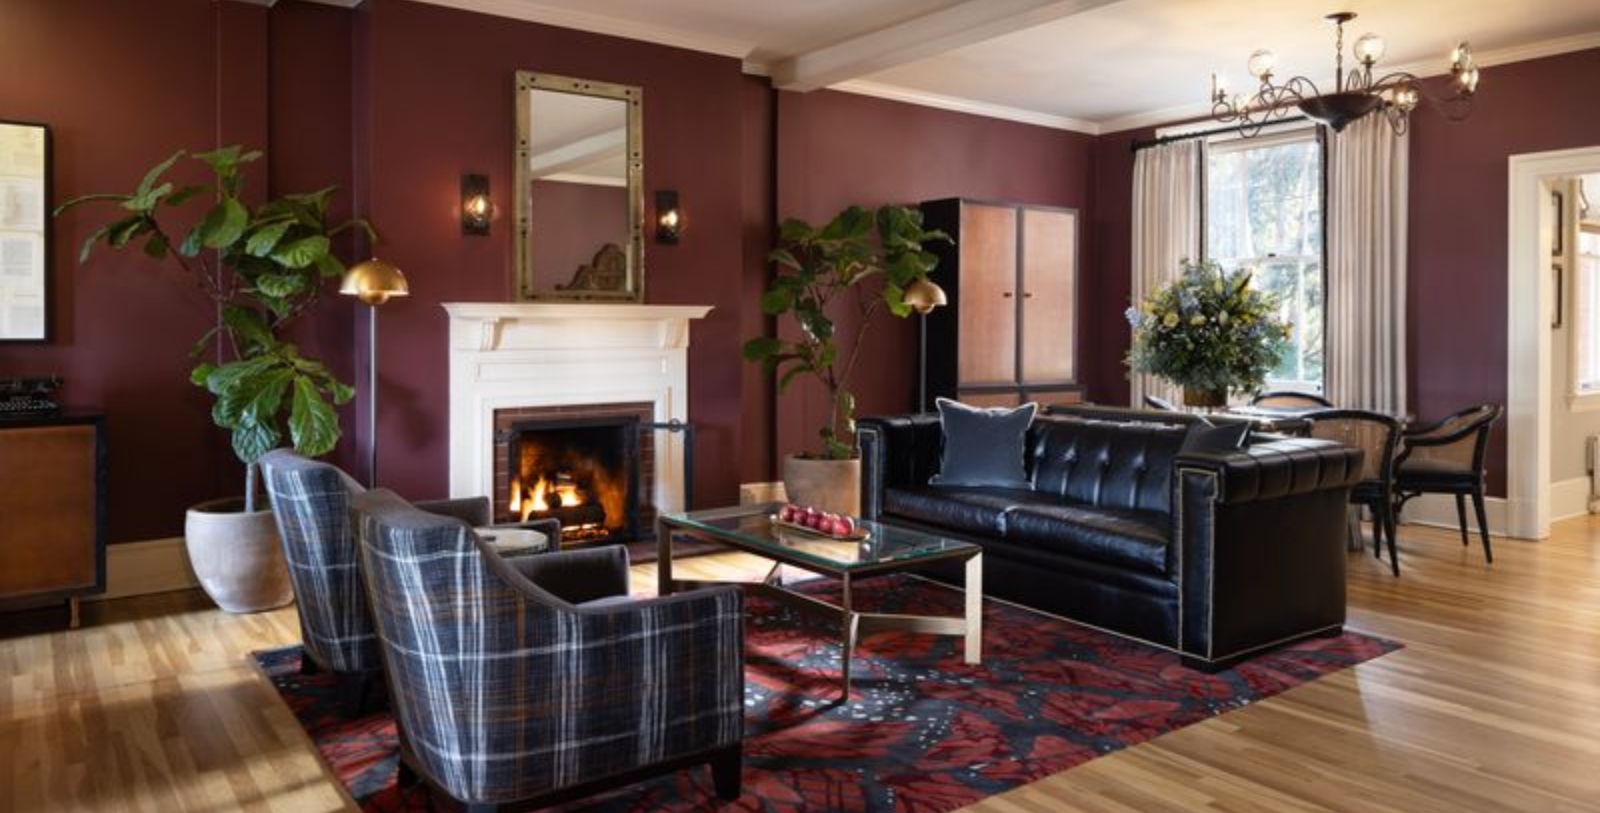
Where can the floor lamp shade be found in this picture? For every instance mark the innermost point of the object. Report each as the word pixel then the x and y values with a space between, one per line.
pixel 373 282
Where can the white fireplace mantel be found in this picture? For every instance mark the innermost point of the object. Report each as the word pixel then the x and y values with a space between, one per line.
pixel 537 354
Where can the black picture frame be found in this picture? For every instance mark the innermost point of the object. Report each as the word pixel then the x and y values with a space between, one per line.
pixel 25 232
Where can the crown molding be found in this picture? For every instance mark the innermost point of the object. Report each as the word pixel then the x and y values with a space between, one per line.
pixel 971 106
pixel 598 24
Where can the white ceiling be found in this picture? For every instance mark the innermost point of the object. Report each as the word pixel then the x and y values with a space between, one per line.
pixel 1089 65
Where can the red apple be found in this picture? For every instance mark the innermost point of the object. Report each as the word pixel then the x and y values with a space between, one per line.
pixel 810 517
pixel 846 526
pixel 786 514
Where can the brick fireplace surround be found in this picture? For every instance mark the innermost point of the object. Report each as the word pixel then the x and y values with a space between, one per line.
pixel 510 360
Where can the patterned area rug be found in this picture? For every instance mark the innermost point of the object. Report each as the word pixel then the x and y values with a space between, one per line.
pixel 922 732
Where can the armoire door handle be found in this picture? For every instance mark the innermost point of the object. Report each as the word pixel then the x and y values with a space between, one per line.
pixel 1006 295
pixel 1027 295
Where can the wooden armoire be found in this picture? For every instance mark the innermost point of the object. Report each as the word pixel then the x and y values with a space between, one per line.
pixel 1009 332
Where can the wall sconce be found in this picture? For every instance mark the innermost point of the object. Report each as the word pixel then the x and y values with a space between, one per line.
pixel 669 218
pixel 476 208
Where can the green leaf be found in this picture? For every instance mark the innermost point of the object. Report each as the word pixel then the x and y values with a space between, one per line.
pixel 177 198
pixel 201 373
pixel 156 246
pixel 123 231
pixel 313 425
pixel 762 347
pixel 776 301
pixel 784 257
pixel 302 253
pixel 224 224
pixel 148 200
pixel 251 441
pixel 329 266
pixel 82 199
pixel 266 238
pixel 88 245
pixel 281 285
pixel 148 183
pixel 248 325
pixel 265 394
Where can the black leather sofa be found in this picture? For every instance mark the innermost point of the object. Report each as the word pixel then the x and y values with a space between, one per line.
pixel 1215 555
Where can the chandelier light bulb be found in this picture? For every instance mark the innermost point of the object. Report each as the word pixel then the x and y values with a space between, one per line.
pixel 1261 63
pixel 1368 49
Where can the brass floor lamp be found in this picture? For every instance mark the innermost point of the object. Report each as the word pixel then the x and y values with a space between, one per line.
pixel 373 282
pixel 923 296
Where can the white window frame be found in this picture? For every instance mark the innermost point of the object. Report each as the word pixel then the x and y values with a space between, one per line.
pixel 1300 131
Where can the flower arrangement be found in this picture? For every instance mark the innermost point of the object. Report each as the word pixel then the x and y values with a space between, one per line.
pixel 1208 331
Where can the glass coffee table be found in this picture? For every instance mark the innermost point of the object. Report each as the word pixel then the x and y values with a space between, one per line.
pixel 887 549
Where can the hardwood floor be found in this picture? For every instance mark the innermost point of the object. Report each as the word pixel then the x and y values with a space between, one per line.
pixel 1494 705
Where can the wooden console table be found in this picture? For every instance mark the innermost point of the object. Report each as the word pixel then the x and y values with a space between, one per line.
pixel 52 495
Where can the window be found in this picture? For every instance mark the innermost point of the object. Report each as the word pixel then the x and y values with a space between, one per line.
pixel 1263 199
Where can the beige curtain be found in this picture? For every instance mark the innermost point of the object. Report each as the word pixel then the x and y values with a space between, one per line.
pixel 1166 230
pixel 1365 339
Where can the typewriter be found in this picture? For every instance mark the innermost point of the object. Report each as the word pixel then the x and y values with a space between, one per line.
pixel 21 397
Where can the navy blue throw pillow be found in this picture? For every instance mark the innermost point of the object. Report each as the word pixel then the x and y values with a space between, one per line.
pixel 983 447
pixel 1204 437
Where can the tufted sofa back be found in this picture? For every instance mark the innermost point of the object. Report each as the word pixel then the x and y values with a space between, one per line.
pixel 1108 465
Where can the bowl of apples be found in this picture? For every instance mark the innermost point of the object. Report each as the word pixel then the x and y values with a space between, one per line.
pixel 809 520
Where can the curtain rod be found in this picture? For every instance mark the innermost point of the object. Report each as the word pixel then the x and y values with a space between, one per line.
pixel 1156 142
pixel 1268 126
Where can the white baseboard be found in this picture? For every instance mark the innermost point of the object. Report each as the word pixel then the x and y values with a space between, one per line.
pixel 142 568
pixel 1569 498
pixel 1439 510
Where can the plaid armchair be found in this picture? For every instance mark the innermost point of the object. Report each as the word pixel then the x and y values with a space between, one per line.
pixel 534 680
pixel 311 502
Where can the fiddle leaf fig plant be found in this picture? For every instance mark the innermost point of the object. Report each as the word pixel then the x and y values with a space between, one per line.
pixel 865 257
pixel 263 266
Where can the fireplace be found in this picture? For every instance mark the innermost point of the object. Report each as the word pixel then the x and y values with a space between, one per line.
pixel 589 466
pixel 581 366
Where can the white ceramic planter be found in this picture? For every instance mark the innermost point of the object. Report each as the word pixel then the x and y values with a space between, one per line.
pixel 236 556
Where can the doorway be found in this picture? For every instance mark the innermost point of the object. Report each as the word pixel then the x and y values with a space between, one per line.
pixel 1529 347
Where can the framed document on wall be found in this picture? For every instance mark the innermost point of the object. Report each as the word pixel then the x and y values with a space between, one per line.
pixel 24 232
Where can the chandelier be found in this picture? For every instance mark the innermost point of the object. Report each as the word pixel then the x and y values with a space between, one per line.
pixel 1354 95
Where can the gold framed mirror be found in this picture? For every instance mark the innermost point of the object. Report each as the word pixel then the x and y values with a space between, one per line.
pixel 579 174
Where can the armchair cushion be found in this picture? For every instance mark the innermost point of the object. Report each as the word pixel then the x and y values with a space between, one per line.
pixel 983 447
pixel 578 576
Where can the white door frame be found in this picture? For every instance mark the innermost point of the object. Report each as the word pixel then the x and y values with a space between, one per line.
pixel 1531 296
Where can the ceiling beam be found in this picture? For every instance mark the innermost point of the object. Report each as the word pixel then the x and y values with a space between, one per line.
pixel 955 27
pixel 580 153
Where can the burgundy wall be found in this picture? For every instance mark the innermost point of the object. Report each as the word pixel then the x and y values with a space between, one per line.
pixel 572 222
pixel 758 149
pixel 123 325
pixel 1457 282
pixel 435 100
pixel 835 149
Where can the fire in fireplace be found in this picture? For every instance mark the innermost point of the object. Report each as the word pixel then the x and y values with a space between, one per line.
pixel 583 472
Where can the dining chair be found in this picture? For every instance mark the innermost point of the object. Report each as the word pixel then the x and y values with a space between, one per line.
pixel 1377 435
pixel 1290 398
pixel 1448 458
